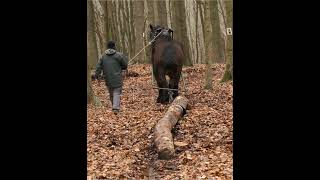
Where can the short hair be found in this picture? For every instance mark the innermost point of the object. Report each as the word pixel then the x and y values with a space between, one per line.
pixel 111 44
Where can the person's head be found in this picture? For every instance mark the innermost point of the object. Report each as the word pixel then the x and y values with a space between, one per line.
pixel 111 45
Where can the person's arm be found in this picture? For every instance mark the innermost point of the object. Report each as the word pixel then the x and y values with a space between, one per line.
pixel 98 69
pixel 123 62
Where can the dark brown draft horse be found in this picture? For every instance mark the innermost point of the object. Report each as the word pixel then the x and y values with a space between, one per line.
pixel 167 59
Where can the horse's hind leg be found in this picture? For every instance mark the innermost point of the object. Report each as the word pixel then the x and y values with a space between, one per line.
pixel 162 83
pixel 174 82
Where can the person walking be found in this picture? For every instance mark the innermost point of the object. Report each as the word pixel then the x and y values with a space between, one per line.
pixel 112 63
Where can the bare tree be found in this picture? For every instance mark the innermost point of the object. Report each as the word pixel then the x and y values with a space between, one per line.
pixel 89 88
pixel 228 74
pixel 197 34
pixel 92 55
pixel 208 41
pixel 126 27
pixel 107 20
pixel 222 19
pixel 203 32
pixel 150 7
pixel 149 19
pixel 138 21
pixel 179 25
pixel 121 27
pixel 132 29
pixel 92 45
pixel 99 24
pixel 112 18
pixel 91 98
pixel 216 30
pixel 160 13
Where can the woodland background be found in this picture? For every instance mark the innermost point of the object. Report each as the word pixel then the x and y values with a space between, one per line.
pixel 199 25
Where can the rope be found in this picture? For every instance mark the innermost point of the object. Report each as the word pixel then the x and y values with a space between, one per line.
pixel 166 89
pixel 145 47
pixel 184 85
pixel 170 96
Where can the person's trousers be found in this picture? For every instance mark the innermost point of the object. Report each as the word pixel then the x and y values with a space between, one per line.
pixel 115 94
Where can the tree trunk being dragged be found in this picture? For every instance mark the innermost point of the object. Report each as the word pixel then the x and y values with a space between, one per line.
pixel 163 137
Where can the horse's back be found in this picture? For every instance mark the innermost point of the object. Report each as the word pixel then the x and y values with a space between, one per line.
pixel 170 54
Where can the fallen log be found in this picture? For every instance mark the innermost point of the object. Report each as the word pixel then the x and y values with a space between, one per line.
pixel 163 137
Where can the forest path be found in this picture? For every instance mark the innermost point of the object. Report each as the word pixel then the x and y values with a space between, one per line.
pixel 121 147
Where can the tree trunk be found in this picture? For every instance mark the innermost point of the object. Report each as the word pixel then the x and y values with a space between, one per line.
pixel 163 137
pixel 223 21
pixel 151 16
pixel 138 8
pixel 92 50
pixel 202 42
pixel 99 25
pixel 208 40
pixel 149 19
pixel 162 13
pixel 156 12
pixel 129 27
pixel 197 34
pixel 89 88
pixel 122 31
pixel 92 45
pixel 107 19
pixel 216 30
pixel 91 98
pixel 110 12
pixel 228 74
pixel 180 28
pixel 147 50
pixel 116 26
pixel 126 27
pixel 168 10
pixel 132 29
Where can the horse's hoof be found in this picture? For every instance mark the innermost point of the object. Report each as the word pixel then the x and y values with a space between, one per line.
pixel 162 101
pixel 165 101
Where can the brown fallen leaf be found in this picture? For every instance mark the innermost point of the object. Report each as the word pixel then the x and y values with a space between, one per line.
pixel 180 144
pixel 189 156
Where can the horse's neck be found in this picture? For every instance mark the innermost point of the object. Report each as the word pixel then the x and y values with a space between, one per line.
pixel 158 41
pixel 155 44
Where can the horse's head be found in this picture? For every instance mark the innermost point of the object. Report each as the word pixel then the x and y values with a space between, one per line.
pixel 166 33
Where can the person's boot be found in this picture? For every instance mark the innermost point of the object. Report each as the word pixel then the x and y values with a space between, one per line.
pixel 115 111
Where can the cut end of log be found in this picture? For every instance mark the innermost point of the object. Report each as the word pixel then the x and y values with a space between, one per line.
pixel 165 154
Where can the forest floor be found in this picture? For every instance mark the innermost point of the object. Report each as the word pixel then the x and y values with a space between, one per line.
pixel 121 146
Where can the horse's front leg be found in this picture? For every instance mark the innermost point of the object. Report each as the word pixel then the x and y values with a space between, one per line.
pixel 156 76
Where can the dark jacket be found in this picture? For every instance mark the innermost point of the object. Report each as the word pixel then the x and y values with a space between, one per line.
pixel 112 63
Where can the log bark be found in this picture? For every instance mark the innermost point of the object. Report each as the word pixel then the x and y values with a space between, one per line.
pixel 163 137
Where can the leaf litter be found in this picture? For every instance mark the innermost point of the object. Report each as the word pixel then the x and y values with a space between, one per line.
pixel 121 146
